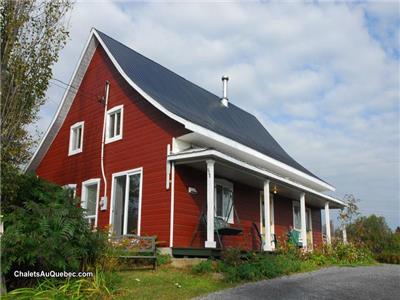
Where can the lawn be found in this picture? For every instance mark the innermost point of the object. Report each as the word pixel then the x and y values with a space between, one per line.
pixel 167 283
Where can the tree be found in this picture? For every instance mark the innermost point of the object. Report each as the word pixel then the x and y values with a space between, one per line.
pixel 32 34
pixel 372 232
pixel 350 211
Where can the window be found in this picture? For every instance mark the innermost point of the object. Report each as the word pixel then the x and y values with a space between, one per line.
pixel 90 200
pixel 71 189
pixel 224 200
pixel 114 124
pixel 76 138
pixel 297 217
pixel 127 193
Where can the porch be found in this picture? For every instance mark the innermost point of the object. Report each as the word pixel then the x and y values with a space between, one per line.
pixel 242 195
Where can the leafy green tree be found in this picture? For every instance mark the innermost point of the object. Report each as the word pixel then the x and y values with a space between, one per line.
pixel 371 231
pixel 32 34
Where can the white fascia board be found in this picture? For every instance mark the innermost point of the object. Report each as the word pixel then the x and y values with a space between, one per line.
pixel 217 154
pixel 188 125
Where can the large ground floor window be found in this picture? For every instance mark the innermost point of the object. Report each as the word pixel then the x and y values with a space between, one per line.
pixel 126 202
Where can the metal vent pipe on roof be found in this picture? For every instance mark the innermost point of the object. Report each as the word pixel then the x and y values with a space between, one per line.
pixel 224 99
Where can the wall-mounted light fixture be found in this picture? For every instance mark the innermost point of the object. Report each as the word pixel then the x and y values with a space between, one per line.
pixel 275 190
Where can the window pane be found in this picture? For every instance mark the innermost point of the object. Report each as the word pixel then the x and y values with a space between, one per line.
pixel 218 208
pixel 118 123
pixel 73 142
pixel 297 220
pixel 133 205
pixel 227 202
pixel 111 130
pixel 91 197
pixel 79 136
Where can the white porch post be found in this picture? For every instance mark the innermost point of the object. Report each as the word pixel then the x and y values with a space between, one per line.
pixel 327 223
pixel 344 232
pixel 267 219
pixel 210 242
pixel 303 219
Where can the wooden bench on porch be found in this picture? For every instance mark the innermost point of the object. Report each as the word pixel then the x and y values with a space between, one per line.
pixel 134 247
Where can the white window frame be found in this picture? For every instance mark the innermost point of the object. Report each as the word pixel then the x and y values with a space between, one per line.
pixel 85 184
pixel 71 133
pixel 71 186
pixel 112 204
pixel 109 113
pixel 228 185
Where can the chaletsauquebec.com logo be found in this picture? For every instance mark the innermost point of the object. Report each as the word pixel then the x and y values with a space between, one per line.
pixel 52 274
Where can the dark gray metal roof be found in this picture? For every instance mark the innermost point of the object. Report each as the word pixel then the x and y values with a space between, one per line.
pixel 195 104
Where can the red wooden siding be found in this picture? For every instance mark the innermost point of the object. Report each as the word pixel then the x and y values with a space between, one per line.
pixel 316 226
pixel 146 133
pixel 283 217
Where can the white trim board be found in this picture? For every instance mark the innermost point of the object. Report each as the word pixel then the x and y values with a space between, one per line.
pixel 188 125
pixel 264 173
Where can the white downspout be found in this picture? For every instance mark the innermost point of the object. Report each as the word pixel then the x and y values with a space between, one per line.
pixel 103 141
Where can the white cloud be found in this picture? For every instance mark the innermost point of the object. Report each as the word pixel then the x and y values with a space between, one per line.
pixel 323 78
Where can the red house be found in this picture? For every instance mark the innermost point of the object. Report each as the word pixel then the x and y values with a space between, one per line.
pixel 151 153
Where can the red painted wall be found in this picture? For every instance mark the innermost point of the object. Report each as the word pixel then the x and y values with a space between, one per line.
pixel 146 133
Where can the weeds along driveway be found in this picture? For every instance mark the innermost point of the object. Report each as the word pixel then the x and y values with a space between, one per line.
pixel 375 282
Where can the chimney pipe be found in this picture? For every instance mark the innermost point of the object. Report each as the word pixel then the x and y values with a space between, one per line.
pixel 224 99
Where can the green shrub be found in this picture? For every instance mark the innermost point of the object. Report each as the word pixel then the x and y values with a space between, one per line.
pixel 203 267
pixel 46 231
pixel 232 256
pixel 163 259
pixel 388 257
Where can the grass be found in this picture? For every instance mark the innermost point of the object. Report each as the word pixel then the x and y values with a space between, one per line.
pixel 167 283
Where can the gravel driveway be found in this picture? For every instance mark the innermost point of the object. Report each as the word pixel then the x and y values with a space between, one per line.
pixel 378 282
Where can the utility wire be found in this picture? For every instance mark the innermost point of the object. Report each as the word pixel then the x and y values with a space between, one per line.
pixel 76 90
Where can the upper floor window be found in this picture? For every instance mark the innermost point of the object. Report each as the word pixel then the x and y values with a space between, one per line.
pixel 114 123
pixel 76 138
pixel 224 200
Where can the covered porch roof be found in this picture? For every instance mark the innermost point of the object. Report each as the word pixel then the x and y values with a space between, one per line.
pixel 243 172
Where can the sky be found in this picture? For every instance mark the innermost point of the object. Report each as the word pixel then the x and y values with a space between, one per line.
pixel 323 77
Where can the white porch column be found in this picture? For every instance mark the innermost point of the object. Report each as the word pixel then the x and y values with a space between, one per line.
pixel 303 220
pixel 327 223
pixel 210 242
pixel 267 219
pixel 344 232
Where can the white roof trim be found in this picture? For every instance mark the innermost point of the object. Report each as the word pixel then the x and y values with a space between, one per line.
pixel 189 125
pixel 195 154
